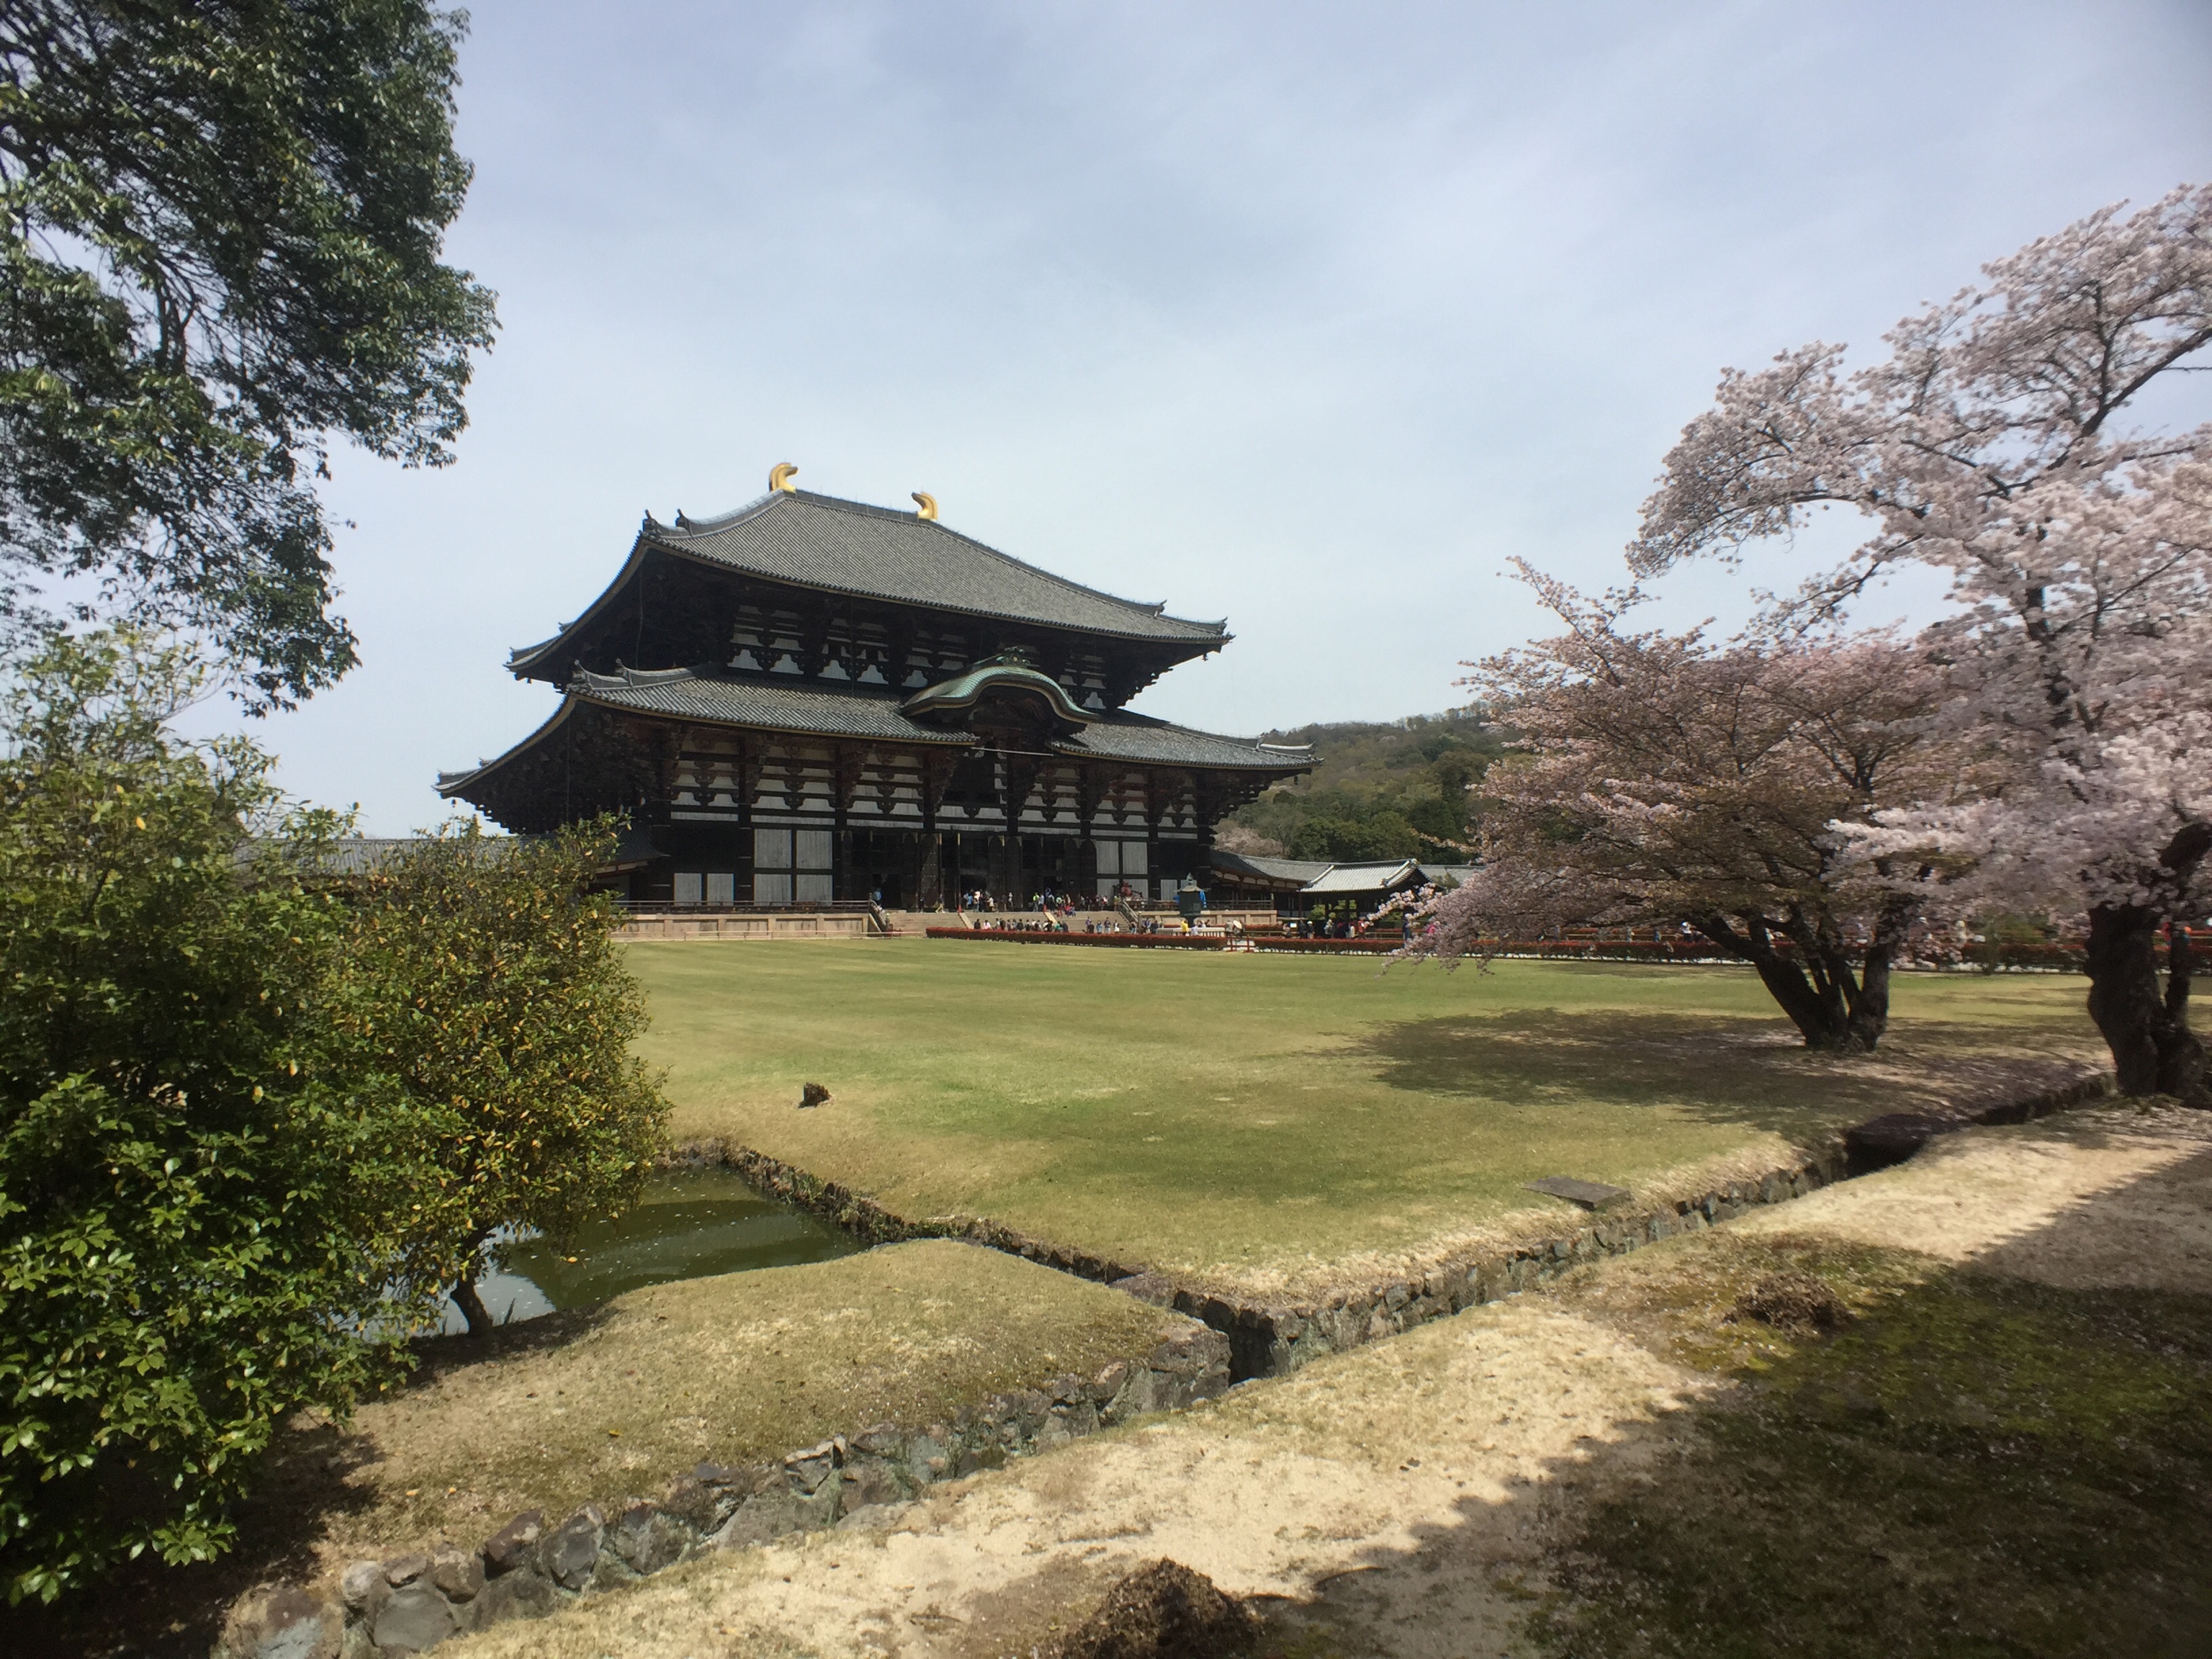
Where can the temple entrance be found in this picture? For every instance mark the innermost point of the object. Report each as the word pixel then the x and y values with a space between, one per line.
pixel 966 861
pixel 877 864
pixel 1051 863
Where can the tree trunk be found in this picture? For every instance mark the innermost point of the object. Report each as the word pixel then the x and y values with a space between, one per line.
pixel 2153 1051
pixel 1870 1019
pixel 1824 1022
pixel 2185 1073
pixel 471 1306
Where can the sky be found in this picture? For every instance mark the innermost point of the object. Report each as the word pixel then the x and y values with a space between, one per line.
pixel 1312 317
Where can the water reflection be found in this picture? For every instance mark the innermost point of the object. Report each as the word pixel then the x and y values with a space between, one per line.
pixel 691 1224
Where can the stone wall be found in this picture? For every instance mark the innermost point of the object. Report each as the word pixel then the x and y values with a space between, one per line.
pixel 1271 1339
pixel 529 1568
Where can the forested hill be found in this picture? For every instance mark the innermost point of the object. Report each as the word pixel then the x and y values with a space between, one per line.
pixel 1393 789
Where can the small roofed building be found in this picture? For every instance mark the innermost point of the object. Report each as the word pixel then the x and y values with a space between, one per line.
pixel 1247 881
pixel 811 701
pixel 1293 886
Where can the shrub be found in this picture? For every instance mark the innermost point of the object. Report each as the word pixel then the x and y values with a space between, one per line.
pixel 194 1203
pixel 484 979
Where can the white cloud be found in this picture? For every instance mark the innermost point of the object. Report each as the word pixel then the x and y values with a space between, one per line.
pixel 1310 316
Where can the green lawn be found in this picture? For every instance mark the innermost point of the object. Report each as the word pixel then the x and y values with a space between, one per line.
pixel 1272 1123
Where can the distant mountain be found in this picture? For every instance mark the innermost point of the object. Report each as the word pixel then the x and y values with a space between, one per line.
pixel 1393 789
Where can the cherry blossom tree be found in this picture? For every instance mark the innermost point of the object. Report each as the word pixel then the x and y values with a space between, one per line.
pixel 2002 441
pixel 1663 781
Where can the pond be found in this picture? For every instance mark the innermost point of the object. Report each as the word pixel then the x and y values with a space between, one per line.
pixel 691 1223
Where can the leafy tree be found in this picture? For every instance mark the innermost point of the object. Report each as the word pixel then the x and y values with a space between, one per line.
pixel 222 225
pixel 193 1201
pixel 1664 781
pixel 483 976
pixel 2000 442
pixel 1403 789
pixel 1379 835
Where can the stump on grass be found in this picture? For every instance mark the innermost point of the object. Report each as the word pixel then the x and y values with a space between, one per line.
pixel 1164 1610
pixel 1795 1303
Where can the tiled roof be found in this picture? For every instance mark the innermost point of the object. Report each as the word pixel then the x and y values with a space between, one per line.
pixel 776 702
pixel 963 691
pixel 1300 870
pixel 1118 734
pixel 1365 878
pixel 879 552
pixel 361 856
pixel 356 855
pixel 1370 876
pixel 773 703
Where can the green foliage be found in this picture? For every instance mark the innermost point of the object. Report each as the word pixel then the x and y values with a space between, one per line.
pixel 189 1195
pixel 253 1118
pixel 1401 789
pixel 485 980
pixel 1384 833
pixel 222 229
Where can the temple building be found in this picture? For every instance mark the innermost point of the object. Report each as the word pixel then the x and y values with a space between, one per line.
pixel 812 700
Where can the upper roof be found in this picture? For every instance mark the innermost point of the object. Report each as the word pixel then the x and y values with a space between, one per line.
pixel 880 552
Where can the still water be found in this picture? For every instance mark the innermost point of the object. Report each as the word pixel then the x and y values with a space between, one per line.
pixel 689 1224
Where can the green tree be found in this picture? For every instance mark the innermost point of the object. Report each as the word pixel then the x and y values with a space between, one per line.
pixel 194 1204
pixel 484 977
pixel 223 229
pixel 1372 781
pixel 1382 833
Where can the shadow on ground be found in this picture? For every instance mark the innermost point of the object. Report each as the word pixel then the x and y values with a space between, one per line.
pixel 303 1489
pixel 1718 1070
pixel 1973 1465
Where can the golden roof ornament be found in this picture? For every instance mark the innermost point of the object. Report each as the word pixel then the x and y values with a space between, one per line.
pixel 779 476
pixel 927 504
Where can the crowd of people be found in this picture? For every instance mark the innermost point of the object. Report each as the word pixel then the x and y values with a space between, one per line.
pixel 1050 911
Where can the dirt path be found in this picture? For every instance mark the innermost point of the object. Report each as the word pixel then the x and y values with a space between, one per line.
pixel 2094 1198
pixel 1399 1500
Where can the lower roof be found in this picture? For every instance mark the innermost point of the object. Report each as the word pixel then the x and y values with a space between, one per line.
pixel 812 707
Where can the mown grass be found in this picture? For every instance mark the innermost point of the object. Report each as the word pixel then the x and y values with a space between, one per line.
pixel 1973 1466
pixel 1274 1123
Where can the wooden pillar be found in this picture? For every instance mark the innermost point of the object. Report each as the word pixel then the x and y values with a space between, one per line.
pixel 1159 795
pixel 937 766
